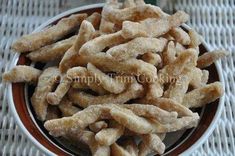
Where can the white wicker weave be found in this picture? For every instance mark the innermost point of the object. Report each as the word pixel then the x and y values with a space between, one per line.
pixel 214 19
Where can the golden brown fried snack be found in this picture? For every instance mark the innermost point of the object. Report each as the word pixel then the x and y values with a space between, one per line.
pixel 179 48
pixel 46 83
pixel 100 43
pixel 83 80
pixel 110 135
pixel 123 116
pixel 78 121
pixel 66 107
pixel 168 105
pixel 136 13
pixel 53 51
pixel 169 54
pixel 106 27
pixel 97 33
pixel 152 58
pixel 195 76
pixel 78 76
pixel 204 95
pixel 137 46
pixel 84 100
pixel 177 90
pixel 151 143
pixel 98 126
pixel 49 35
pixel 69 59
pixel 180 36
pixel 208 58
pixel 170 71
pixel 117 150
pixel 142 125
pixel 131 121
pixel 150 111
pixel 154 90
pixel 195 38
pixel 94 19
pixel 131 66
pixel 55 97
pixel 205 77
pixel 22 73
pixel 190 76
pixel 108 83
pixel 147 28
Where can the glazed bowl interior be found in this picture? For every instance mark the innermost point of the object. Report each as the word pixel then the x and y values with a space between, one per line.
pixel 177 142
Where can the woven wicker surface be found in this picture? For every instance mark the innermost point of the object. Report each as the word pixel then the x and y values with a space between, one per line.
pixel 214 19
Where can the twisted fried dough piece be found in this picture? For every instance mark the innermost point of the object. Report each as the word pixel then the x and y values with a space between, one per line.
pixel 49 35
pixel 22 73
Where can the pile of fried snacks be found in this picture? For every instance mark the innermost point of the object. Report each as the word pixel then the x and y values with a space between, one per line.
pixel 130 72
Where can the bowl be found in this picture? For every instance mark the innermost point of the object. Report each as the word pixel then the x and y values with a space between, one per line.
pixel 183 142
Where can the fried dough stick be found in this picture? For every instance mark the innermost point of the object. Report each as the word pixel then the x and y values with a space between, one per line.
pixel 169 54
pixel 177 90
pixel 78 121
pixel 180 36
pixel 86 33
pixel 46 83
pixel 57 50
pixel 98 126
pixel 151 111
pixel 100 43
pixel 94 19
pixel 151 143
pixel 152 58
pixel 207 59
pixel 154 90
pixel 22 73
pixel 110 135
pixel 55 97
pixel 49 35
pixel 53 51
pixel 174 69
pixel 83 80
pixel 86 117
pixel 137 46
pixel 135 13
pixel 106 27
pixel 84 100
pixel 108 83
pixel 168 105
pixel 147 28
pixel 142 125
pixel 195 38
pixel 131 66
pixel 204 95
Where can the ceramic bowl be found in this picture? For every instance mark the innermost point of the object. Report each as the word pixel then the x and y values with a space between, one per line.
pixel 183 142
